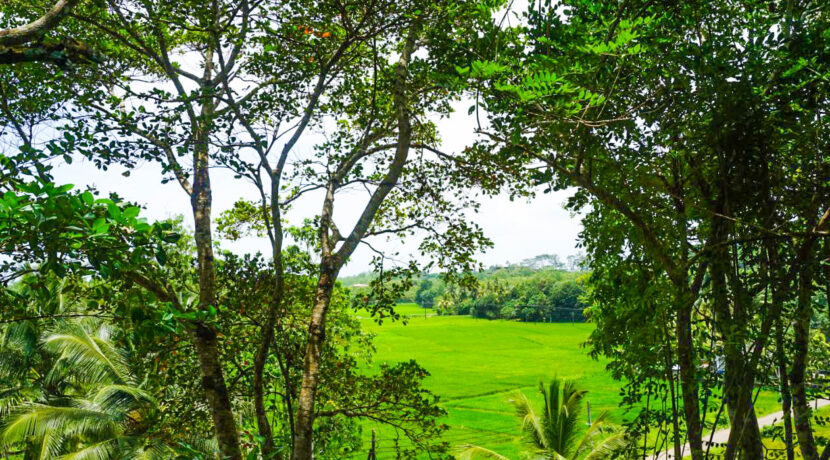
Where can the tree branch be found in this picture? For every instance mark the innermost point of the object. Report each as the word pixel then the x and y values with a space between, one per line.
pixel 35 29
pixel 58 53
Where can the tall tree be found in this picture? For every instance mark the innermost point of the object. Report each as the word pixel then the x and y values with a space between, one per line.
pixel 232 83
pixel 674 143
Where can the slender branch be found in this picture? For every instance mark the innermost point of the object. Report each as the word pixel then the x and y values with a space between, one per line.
pixel 162 292
pixel 4 106
pixel 168 151
pixel 401 100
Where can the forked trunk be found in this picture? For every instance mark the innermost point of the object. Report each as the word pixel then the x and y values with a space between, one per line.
pixel 332 261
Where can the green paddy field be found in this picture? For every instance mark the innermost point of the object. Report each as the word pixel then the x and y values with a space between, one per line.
pixel 476 365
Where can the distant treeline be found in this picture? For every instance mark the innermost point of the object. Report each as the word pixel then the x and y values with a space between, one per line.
pixel 540 289
pixel 526 294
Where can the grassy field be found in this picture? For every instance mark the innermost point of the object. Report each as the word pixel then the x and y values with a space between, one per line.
pixel 477 364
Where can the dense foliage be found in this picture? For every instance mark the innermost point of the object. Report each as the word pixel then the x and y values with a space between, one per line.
pixel 103 369
pixel 694 136
pixel 538 289
pixel 513 292
pixel 192 86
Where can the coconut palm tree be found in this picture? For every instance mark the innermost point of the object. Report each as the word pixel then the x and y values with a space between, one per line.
pixel 94 408
pixel 23 361
pixel 557 432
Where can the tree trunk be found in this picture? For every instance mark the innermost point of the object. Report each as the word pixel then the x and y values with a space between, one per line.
pixel 675 415
pixel 801 327
pixel 827 275
pixel 332 261
pixel 744 435
pixel 825 454
pixel 261 358
pixel 303 445
pixel 213 383
pixel 688 375
pixel 731 324
pixel 744 424
pixel 786 398
pixel 204 337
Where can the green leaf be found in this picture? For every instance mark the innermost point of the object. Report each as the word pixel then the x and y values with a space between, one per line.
pixel 64 188
pixel 131 212
pixel 88 198
pixel 100 226
pixel 114 211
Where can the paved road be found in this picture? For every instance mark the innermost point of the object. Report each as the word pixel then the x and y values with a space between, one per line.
pixel 721 436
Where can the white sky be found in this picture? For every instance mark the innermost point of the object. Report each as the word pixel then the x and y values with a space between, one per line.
pixel 518 229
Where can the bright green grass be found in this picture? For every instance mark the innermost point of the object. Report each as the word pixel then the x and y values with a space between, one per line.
pixel 476 365
pixel 821 431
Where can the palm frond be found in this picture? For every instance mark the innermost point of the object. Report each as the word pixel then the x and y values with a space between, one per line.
pixel 19 348
pixel 50 445
pixel 471 452
pixel 21 336
pixel 532 425
pixel 104 450
pixel 121 398
pixel 560 422
pixel 207 446
pixel 555 432
pixel 11 398
pixel 156 450
pixel 38 420
pixel 570 411
pixel 89 359
pixel 593 435
pixel 607 447
pixel 88 408
pixel 550 422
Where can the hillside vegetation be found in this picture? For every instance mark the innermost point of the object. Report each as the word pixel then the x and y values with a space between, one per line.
pixel 528 291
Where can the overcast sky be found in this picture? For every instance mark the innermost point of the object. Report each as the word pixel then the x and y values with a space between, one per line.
pixel 518 229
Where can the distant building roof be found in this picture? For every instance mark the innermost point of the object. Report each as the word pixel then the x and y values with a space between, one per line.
pixel 360 285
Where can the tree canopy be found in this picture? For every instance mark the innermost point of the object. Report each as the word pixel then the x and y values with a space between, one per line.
pixel 693 137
